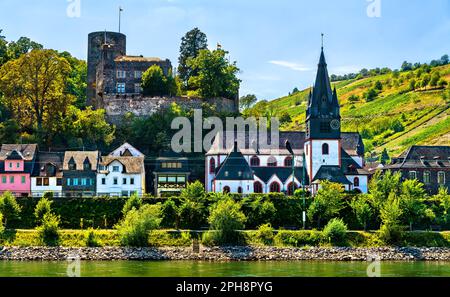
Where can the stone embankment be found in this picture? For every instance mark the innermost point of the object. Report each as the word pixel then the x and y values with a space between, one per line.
pixel 233 253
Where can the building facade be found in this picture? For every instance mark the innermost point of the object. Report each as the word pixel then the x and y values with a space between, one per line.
pixel 428 164
pixel 323 152
pixel 17 162
pixel 48 174
pixel 170 174
pixel 79 173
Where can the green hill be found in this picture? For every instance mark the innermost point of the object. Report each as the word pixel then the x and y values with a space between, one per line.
pixel 395 117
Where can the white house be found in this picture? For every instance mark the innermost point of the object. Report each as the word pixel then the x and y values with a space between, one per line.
pixel 121 176
pixel 47 175
pixel 126 150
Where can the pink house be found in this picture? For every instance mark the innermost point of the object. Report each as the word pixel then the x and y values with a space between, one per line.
pixel 16 165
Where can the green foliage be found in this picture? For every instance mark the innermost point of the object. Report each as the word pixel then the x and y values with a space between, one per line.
pixel 166 238
pixel 298 238
pixel 335 231
pixel 133 202
pixel 192 214
pixel 214 75
pixel 327 203
pixel 43 207
pixel 134 229
pixel 362 209
pixel 49 229
pixel 381 185
pixel 169 213
pixel 2 228
pixel 411 201
pixel 390 214
pixel 247 101
pixel 371 94
pixel 91 238
pixel 155 83
pixel 443 199
pixel 258 211
pixel 194 191
pixel 226 217
pixel 265 234
pixel 9 207
pixel 384 157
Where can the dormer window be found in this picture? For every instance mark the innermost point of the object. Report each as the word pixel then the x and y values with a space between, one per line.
pixel 87 165
pixel 72 164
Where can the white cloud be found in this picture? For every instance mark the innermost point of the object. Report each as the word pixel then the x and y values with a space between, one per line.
pixel 290 65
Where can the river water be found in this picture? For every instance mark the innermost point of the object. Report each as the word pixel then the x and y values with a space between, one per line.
pixel 204 268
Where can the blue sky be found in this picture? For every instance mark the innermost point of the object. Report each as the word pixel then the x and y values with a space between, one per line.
pixel 275 43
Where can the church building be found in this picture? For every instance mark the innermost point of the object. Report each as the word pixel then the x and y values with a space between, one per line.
pixel 323 152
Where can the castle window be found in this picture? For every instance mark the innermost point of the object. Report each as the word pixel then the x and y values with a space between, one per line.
pixel 254 161
pixel 137 74
pixel 288 162
pixel 272 161
pixel 121 74
pixel 356 182
pixel 325 149
pixel 257 187
pixel 212 165
pixel 441 177
pixel 427 177
pixel 274 187
pixel 120 88
pixel 137 88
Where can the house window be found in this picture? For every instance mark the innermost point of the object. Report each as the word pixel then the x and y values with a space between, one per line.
pixel 59 181
pixel 172 179
pixel 226 173
pixel 254 161
pixel 356 182
pixel 288 162
pixel 69 181
pixel 11 179
pixel 72 166
pixel 115 168
pixel 272 162
pixel 3 179
pixel 226 189
pixel 137 88
pixel 103 181
pixel 46 181
pixel 87 165
pixel 115 181
pixel 441 177
pixel 38 181
pixel 325 149
pixel 239 190
pixel 132 181
pixel 137 74
pixel 121 88
pixel 10 164
pixel 412 175
pixel 274 187
pixel 427 177
pixel 124 193
pixel 83 181
pixel 257 187
pixel 181 179
pixel 212 165
pixel 121 74
pixel 75 181
pixel 101 167
pixel 17 165
pixel 124 181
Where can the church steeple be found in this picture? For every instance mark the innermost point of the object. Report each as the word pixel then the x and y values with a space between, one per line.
pixel 323 115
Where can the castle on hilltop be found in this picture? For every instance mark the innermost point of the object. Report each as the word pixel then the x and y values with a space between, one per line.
pixel 114 80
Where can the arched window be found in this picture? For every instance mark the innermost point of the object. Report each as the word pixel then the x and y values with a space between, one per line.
pixel 257 187
pixel 254 161
pixel 291 188
pixel 274 187
pixel 427 177
pixel 288 161
pixel 441 177
pixel 325 149
pixel 272 161
pixel 226 189
pixel 240 190
pixel 356 182
pixel 212 165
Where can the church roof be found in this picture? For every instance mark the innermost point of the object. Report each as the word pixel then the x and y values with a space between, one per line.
pixel 283 173
pixel 420 156
pixel 350 166
pixel 331 173
pixel 235 167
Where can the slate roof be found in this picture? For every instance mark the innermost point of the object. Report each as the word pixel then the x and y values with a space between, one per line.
pixel 137 59
pixel 235 167
pixel 131 164
pixel 331 173
pixel 283 173
pixel 350 166
pixel 247 142
pixel 79 157
pixel 418 156
pixel 45 158
pixel 27 151
pixel 126 149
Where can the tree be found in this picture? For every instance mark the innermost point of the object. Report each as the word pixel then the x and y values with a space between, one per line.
pixel 76 82
pixel 353 98
pixel 194 191
pixel 295 90
pixel 411 201
pixel 378 85
pixel 443 198
pixel 444 59
pixel 22 46
pixel 384 157
pixel 327 203
pixel 285 118
pixel 134 202
pixel 381 185
pixel 154 82
pixel 247 101
pixel 406 66
pixel 425 80
pixel 214 76
pixel 435 78
pixel 390 215
pixel 3 49
pixel 226 217
pixel 35 83
pixel 362 209
pixel 412 84
pixel 191 44
pixel 371 94
pixel 9 131
pixel 9 207
pixel 43 207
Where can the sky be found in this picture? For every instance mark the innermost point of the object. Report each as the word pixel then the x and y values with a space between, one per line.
pixel 276 43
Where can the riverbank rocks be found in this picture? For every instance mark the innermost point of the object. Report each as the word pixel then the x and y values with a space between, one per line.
pixel 226 253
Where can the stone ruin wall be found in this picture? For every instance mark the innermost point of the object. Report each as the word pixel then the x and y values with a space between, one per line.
pixel 116 106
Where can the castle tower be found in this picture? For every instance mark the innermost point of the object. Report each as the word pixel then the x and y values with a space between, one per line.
pixel 323 133
pixel 97 41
